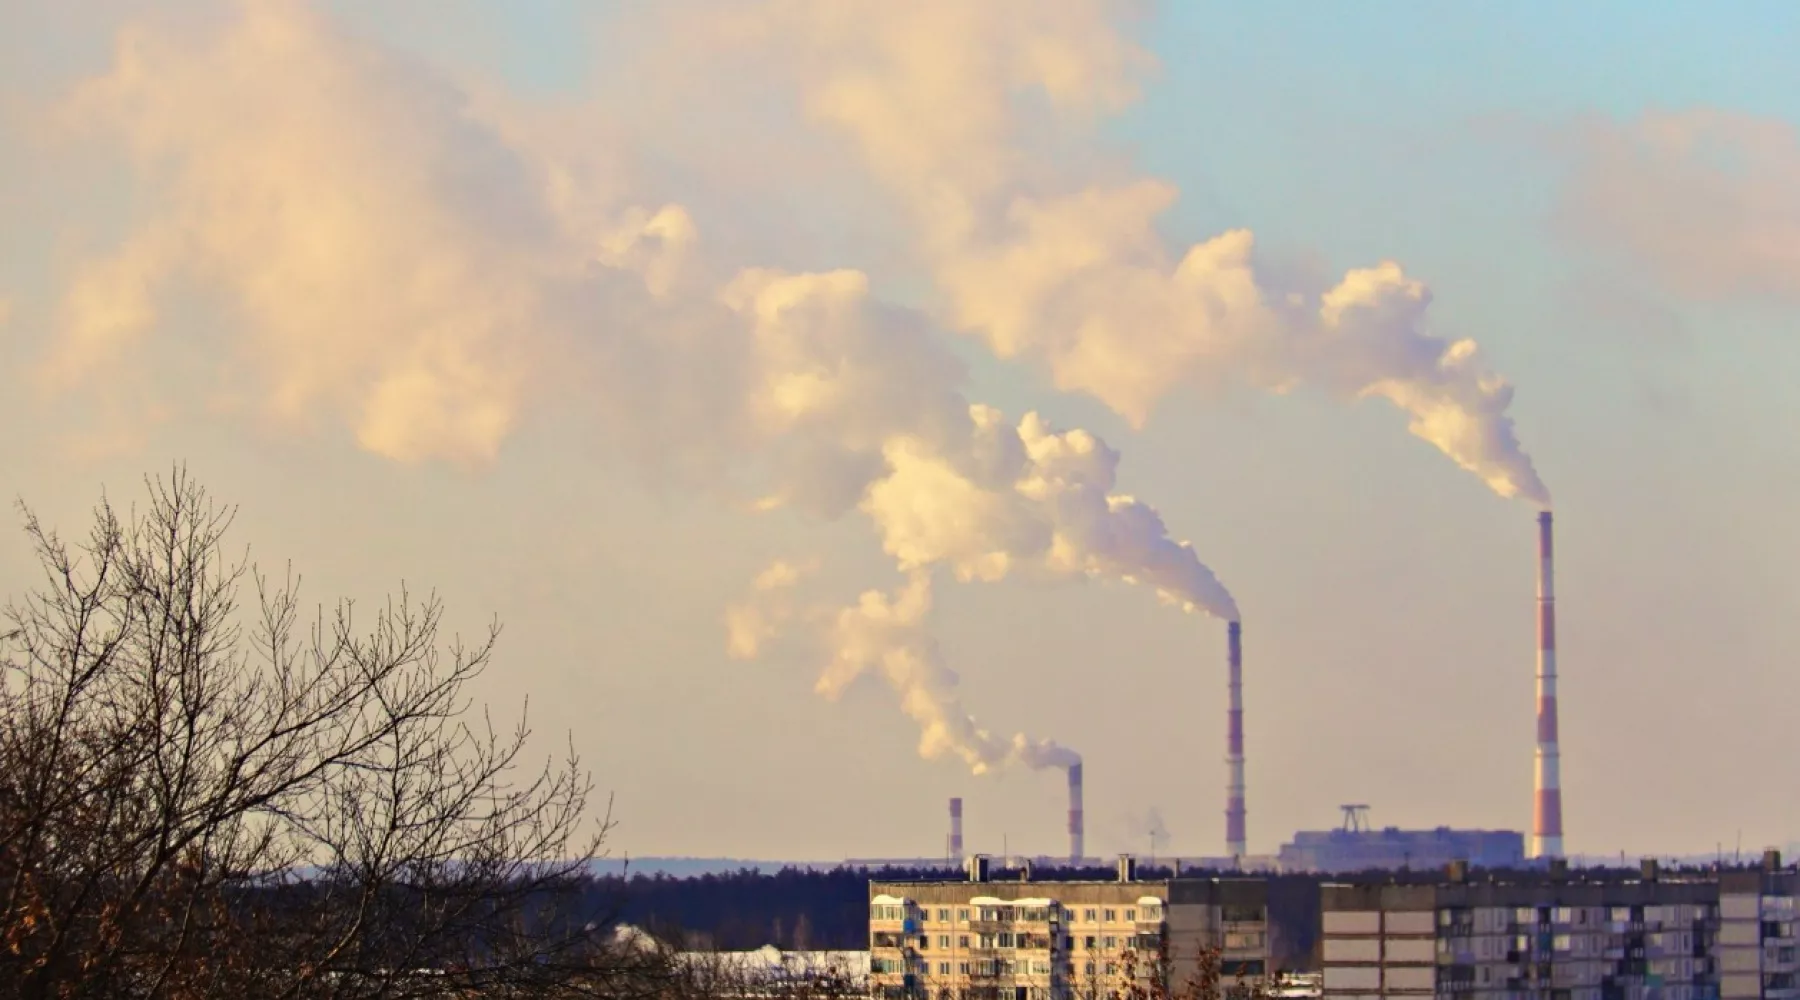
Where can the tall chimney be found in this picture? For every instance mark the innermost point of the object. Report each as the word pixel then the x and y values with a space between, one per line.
pixel 1236 843
pixel 1076 848
pixel 1546 824
pixel 956 848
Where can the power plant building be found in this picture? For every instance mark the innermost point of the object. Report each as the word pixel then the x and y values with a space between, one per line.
pixel 1025 940
pixel 1357 850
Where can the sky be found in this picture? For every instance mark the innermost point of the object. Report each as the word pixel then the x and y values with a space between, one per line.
pixel 848 405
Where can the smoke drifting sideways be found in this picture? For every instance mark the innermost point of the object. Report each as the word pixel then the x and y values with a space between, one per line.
pixel 978 120
pixel 884 634
pixel 425 263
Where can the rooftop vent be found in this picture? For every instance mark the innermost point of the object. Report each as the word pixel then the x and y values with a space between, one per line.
pixel 978 868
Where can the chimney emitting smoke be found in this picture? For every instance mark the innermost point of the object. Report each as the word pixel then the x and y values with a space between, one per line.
pixel 1546 825
pixel 1077 850
pixel 956 840
pixel 1236 842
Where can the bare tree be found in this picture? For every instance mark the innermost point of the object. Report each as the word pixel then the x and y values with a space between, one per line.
pixel 201 799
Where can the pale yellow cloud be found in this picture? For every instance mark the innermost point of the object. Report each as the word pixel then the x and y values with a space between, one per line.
pixel 368 236
pixel 1704 202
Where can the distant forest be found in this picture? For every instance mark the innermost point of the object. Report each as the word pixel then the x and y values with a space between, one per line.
pixel 803 909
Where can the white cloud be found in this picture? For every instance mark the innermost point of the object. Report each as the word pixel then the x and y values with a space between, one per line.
pixel 1706 203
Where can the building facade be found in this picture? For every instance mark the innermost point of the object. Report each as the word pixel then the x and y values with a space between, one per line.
pixel 1025 940
pixel 1756 937
pixel 1561 935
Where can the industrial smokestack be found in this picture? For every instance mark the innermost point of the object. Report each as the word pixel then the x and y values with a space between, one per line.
pixel 1077 850
pixel 1546 824
pixel 956 847
pixel 1236 842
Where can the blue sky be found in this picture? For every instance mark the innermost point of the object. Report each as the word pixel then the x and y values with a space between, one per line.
pixel 1387 594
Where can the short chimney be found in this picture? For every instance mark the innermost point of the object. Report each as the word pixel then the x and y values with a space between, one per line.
pixel 1771 860
pixel 978 868
pixel 1127 868
pixel 1648 869
pixel 1025 870
pixel 1457 871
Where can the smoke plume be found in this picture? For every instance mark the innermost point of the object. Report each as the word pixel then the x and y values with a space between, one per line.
pixel 422 265
pixel 884 635
pixel 976 117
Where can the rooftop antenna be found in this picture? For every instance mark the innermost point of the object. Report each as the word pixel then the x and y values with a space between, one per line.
pixel 1356 818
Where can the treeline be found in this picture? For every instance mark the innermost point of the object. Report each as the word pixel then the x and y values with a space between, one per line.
pixel 796 909
pixel 806 909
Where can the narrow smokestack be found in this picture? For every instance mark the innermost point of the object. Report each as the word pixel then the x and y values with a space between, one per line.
pixel 1236 842
pixel 1546 824
pixel 1077 850
pixel 956 848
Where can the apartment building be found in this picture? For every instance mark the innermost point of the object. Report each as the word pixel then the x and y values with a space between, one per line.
pixel 1552 935
pixel 1756 936
pixel 1025 940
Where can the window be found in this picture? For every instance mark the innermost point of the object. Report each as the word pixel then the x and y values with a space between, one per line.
pixel 943 916
pixel 943 968
pixel 1112 968
pixel 962 915
pixel 1109 942
pixel 963 968
pixel 1087 915
pixel 924 942
pixel 1112 915
pixel 962 940
pixel 1131 916
pixel 1561 942
pixel 944 941
pixel 1006 940
pixel 1088 943
pixel 1153 913
pixel 1090 968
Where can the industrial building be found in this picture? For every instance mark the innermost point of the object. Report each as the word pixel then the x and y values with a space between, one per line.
pixel 1355 847
pixel 1562 935
pixel 1018 939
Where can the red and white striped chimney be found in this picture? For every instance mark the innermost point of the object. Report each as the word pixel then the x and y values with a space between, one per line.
pixel 1077 850
pixel 956 843
pixel 1236 842
pixel 1546 823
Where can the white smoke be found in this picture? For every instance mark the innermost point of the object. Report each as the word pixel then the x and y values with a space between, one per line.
pixel 884 634
pixel 427 266
pixel 1054 256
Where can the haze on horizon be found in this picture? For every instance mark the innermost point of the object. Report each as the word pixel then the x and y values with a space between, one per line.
pixel 848 405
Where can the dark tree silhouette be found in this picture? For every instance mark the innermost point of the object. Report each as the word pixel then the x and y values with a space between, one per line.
pixel 201 799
